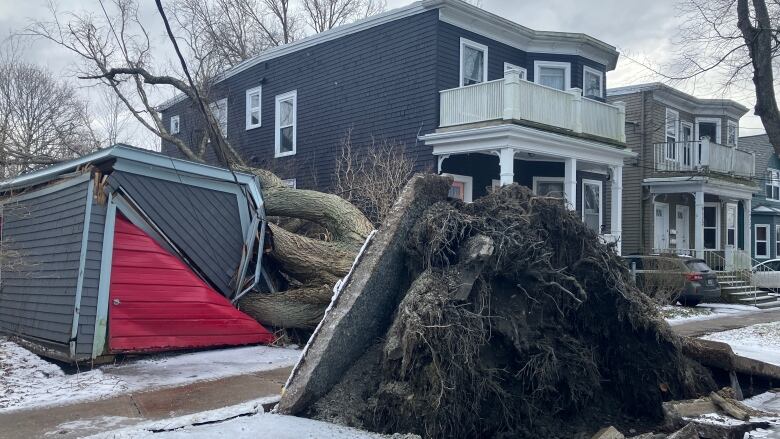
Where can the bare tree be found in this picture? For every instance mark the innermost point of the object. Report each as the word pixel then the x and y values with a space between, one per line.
pixel 112 120
pixel 42 119
pixel 322 15
pixel 373 176
pixel 737 38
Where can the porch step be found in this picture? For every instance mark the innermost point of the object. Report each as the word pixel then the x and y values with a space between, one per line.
pixel 757 300
pixel 738 289
pixel 749 294
pixel 769 305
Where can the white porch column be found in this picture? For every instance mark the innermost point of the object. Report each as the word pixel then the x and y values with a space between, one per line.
pixel 748 232
pixel 616 214
pixel 441 160
pixel 698 239
pixel 506 157
pixel 570 183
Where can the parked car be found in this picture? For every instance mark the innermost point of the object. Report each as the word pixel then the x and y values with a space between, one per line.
pixel 666 278
pixel 766 275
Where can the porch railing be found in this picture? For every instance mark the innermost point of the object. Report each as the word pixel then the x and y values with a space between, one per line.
pixel 511 98
pixel 703 155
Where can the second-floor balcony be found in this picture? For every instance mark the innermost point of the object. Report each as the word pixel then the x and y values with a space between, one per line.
pixel 702 156
pixel 512 99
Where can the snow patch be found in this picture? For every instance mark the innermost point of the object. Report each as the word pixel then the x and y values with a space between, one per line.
pixel 760 342
pixel 677 314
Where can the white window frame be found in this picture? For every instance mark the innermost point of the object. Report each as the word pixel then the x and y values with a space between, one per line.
pixel 717 223
pixel 468 185
pixel 290 182
pixel 277 138
pixel 756 241
pixel 536 180
pixel 777 239
pixel 566 66
pixel 259 92
pixel 223 124
pixel 600 184
pixel 718 128
pixel 730 124
pixel 175 122
pixel 522 70
pixel 671 130
pixel 600 74
pixel 772 182
pixel 474 45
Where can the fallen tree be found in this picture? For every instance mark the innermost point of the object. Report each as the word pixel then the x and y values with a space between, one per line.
pixel 514 317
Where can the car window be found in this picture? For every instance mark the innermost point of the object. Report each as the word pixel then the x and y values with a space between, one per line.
pixel 698 266
pixel 664 264
pixel 773 265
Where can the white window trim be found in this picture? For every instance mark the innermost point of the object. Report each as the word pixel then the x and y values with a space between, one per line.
pixel 557 64
pixel 683 125
pixel 277 139
pixel 601 201
pixel 717 223
pixel 250 92
pixel 474 45
pixel 730 124
pixel 537 180
pixel 468 185
pixel 771 182
pixel 718 128
pixel 290 182
pixel 178 124
pixel 777 239
pixel 600 74
pixel 756 241
pixel 215 106
pixel 522 70
pixel 669 116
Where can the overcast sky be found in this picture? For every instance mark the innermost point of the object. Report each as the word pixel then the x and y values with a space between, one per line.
pixel 640 29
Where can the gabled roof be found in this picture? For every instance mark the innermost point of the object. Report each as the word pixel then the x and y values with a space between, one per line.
pixel 684 101
pixel 456 12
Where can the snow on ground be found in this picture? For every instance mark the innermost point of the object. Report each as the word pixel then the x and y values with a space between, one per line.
pixel 677 314
pixel 759 342
pixel 245 420
pixel 27 380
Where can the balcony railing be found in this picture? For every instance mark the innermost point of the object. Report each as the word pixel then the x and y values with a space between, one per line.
pixel 703 155
pixel 514 99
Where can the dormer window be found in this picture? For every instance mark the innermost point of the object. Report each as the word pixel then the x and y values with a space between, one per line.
pixel 473 62
pixel 553 74
pixel 732 133
pixel 592 83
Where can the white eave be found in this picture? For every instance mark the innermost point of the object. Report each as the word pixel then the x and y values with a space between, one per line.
pixel 684 101
pixel 456 12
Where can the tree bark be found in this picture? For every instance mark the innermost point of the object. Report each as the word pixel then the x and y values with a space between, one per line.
pixel 759 42
pixel 298 308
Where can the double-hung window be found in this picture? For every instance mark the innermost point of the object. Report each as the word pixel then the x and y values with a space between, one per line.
pixel 220 111
pixel 773 184
pixel 762 240
pixel 592 82
pixel 473 62
pixel 553 74
pixel 777 240
pixel 254 99
pixel 591 204
pixel 462 187
pixel 711 226
pixel 548 186
pixel 286 124
pixel 732 133
pixel 175 124
pixel 672 128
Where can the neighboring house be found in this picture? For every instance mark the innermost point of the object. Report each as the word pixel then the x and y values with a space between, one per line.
pixel 692 183
pixel 766 203
pixel 468 93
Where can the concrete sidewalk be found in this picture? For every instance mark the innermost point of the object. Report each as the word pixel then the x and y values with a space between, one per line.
pixel 82 419
pixel 696 328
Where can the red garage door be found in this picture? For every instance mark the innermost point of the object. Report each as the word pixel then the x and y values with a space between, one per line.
pixel 157 303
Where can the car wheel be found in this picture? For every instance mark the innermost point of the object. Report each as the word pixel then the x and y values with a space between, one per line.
pixel 690 302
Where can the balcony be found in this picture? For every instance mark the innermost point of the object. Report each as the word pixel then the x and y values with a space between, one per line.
pixel 512 99
pixel 703 156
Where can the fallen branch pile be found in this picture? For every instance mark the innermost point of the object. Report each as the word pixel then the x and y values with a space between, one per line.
pixel 516 317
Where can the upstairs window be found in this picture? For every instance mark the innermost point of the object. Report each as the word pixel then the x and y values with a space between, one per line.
pixel 220 111
pixel 708 127
pixel 253 104
pixel 286 123
pixel 592 83
pixel 773 184
pixel 553 74
pixel 523 73
pixel 672 124
pixel 473 62
pixel 732 133
pixel 175 125
pixel 290 182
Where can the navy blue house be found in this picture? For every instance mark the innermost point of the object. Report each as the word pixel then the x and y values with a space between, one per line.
pixel 467 93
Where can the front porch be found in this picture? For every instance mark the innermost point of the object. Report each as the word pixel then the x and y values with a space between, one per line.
pixel 702 217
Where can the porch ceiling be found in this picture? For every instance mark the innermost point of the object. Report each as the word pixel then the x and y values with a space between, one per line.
pixel 541 143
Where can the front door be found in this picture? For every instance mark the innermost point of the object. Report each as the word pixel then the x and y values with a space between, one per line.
pixel 683 227
pixel 687 148
pixel 661 227
pixel 731 234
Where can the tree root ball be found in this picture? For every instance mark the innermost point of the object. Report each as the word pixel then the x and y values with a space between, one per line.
pixel 551 339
